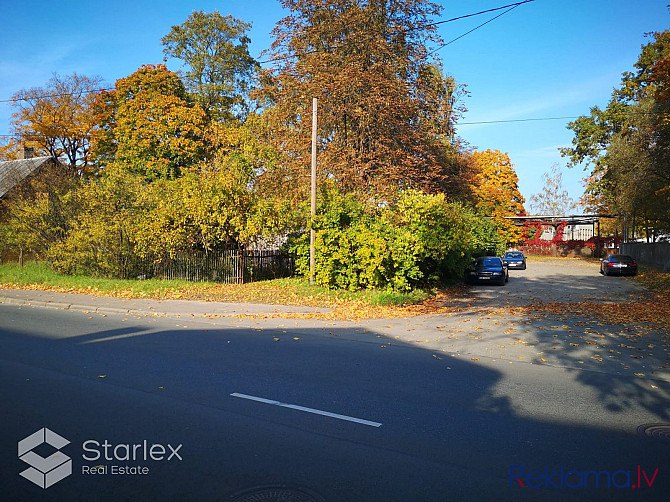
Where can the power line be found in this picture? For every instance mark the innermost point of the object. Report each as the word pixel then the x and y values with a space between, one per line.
pixel 538 119
pixel 407 30
pixel 314 51
pixel 479 122
pixel 514 6
pixel 57 95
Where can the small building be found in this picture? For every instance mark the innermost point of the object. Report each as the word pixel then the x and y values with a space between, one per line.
pixel 577 235
pixel 570 232
pixel 14 172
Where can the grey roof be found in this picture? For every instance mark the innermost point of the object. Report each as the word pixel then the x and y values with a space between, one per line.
pixel 12 172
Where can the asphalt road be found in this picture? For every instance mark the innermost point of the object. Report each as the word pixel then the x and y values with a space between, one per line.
pixel 458 406
pixel 558 280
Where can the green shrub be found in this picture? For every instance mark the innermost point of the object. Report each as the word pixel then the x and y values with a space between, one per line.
pixel 420 240
pixel 99 242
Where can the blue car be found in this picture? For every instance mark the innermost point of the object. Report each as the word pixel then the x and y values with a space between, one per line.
pixel 515 260
pixel 488 269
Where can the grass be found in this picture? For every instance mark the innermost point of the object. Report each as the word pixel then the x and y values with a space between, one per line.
pixel 292 291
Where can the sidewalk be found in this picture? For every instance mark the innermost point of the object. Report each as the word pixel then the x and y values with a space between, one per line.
pixel 90 303
pixel 487 337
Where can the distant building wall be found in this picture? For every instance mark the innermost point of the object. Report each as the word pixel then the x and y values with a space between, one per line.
pixel 655 254
pixel 570 233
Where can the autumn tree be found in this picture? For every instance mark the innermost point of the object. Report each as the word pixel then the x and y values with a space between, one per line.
pixel 552 199
pixel 386 108
pixel 497 192
pixel 100 237
pixel 148 126
pixel 215 204
pixel 57 119
pixel 215 53
pixel 626 146
pixel 38 212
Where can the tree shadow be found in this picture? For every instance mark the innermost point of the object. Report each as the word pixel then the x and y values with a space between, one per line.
pixel 555 288
pixel 448 430
pixel 626 364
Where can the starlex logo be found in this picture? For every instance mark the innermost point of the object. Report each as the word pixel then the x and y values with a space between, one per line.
pixel 45 472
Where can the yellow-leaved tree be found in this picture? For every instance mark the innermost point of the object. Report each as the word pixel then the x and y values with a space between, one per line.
pixel 56 120
pixel 148 127
pixel 497 192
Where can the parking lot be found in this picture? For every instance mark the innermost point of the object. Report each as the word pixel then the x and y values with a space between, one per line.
pixel 559 312
pixel 551 280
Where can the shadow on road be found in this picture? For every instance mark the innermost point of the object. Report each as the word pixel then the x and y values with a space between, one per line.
pixel 447 433
pixel 523 289
pixel 565 314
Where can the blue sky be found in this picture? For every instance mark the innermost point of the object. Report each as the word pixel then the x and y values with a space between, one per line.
pixel 544 59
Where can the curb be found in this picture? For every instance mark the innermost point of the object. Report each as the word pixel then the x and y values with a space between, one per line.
pixel 60 306
pixel 241 311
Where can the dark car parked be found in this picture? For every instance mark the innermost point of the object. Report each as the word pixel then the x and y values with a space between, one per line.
pixel 618 264
pixel 515 259
pixel 488 269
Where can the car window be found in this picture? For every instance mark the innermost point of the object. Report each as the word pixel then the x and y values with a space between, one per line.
pixel 515 254
pixel 489 262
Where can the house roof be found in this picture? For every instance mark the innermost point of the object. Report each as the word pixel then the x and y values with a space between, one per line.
pixel 12 172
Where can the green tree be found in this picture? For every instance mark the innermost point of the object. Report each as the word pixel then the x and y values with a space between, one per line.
pixel 214 205
pixel 627 145
pixel 418 240
pixel 219 69
pixel 100 237
pixel 38 213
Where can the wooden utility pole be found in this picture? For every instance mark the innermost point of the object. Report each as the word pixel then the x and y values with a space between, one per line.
pixel 312 233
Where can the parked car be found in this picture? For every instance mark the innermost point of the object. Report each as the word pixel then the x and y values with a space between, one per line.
pixel 618 264
pixel 488 269
pixel 515 259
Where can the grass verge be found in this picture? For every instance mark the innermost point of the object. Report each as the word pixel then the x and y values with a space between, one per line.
pixel 292 291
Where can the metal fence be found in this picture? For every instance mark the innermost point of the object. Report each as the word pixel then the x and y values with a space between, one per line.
pixel 231 266
pixel 655 254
